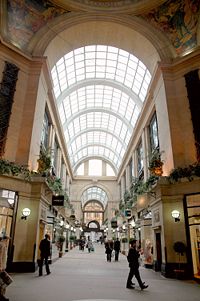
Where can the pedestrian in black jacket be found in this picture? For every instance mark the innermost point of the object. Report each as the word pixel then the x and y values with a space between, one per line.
pixel 45 252
pixel 108 247
pixel 133 256
pixel 117 249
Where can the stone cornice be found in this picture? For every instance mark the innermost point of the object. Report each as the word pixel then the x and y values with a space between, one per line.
pixel 181 65
pixel 23 61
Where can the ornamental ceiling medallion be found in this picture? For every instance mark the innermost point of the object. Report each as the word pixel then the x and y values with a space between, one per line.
pixel 121 6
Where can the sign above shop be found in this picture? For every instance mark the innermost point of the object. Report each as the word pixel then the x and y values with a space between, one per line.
pixel 114 224
pixel 128 213
pixel 58 200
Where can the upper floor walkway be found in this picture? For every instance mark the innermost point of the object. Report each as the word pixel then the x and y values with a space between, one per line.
pixel 79 276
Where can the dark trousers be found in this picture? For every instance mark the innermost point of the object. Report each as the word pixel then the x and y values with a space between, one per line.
pixel 44 260
pixel 109 255
pixel 116 255
pixel 134 272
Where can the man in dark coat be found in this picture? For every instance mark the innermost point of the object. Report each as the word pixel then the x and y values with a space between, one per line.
pixel 45 251
pixel 133 256
pixel 117 249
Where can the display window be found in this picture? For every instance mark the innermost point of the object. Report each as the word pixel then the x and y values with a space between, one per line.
pixel 193 210
pixel 7 201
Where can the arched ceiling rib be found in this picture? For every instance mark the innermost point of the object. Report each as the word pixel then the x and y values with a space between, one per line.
pixel 100 91
pixel 98 150
pixel 94 193
pixel 100 61
pixel 87 112
pixel 98 81
pixel 100 132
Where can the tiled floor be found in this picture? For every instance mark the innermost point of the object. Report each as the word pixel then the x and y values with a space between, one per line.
pixel 81 276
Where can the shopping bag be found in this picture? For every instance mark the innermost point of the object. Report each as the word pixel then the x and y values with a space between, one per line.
pixel 5 279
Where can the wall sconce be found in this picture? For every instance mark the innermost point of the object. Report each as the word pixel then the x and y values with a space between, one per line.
pixel 25 213
pixel 176 215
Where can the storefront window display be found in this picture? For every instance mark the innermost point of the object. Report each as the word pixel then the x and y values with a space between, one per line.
pixel 193 209
pixel 7 200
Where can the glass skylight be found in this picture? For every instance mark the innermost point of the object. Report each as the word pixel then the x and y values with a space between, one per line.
pixel 94 194
pixel 100 92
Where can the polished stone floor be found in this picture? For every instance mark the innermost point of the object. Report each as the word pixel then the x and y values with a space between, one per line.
pixel 80 276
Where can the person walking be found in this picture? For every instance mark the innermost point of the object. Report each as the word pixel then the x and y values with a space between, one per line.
pixel 108 250
pixel 133 257
pixel 117 249
pixel 45 252
pixel 89 245
pixel 3 261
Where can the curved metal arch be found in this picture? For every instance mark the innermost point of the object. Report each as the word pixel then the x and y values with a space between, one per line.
pixel 95 144
pixel 95 130
pixel 90 188
pixel 91 110
pixel 104 82
pixel 101 156
pixel 90 201
pixel 95 157
pixel 98 185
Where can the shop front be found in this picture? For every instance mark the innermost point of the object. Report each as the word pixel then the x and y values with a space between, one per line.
pixel 8 204
pixel 192 207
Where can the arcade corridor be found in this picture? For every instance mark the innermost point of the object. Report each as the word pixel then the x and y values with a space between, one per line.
pixel 82 276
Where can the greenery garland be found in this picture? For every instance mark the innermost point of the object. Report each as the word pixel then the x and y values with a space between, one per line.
pixel 185 172
pixel 13 169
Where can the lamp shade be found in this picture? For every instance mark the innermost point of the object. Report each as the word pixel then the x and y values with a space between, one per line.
pixel 26 212
pixel 175 214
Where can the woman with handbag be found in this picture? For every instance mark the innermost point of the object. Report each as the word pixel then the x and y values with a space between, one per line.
pixel 3 260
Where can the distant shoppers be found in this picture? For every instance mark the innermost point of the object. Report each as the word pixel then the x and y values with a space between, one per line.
pixel 45 252
pixel 82 244
pixel 133 257
pixel 108 247
pixel 117 249
pixel 89 245
pixel 3 260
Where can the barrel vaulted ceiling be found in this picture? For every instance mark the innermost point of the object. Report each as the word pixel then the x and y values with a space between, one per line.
pixel 100 89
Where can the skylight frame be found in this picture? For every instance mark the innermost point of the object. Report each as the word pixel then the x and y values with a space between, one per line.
pixel 108 81
pixel 94 193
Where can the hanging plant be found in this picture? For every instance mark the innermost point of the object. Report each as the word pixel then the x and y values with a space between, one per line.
pixel 11 168
pixel 185 172
pixel 44 161
pixel 55 184
pixel 156 164
pixel 139 187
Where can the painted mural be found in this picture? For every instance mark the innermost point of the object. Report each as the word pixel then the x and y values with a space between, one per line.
pixel 178 19
pixel 26 17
